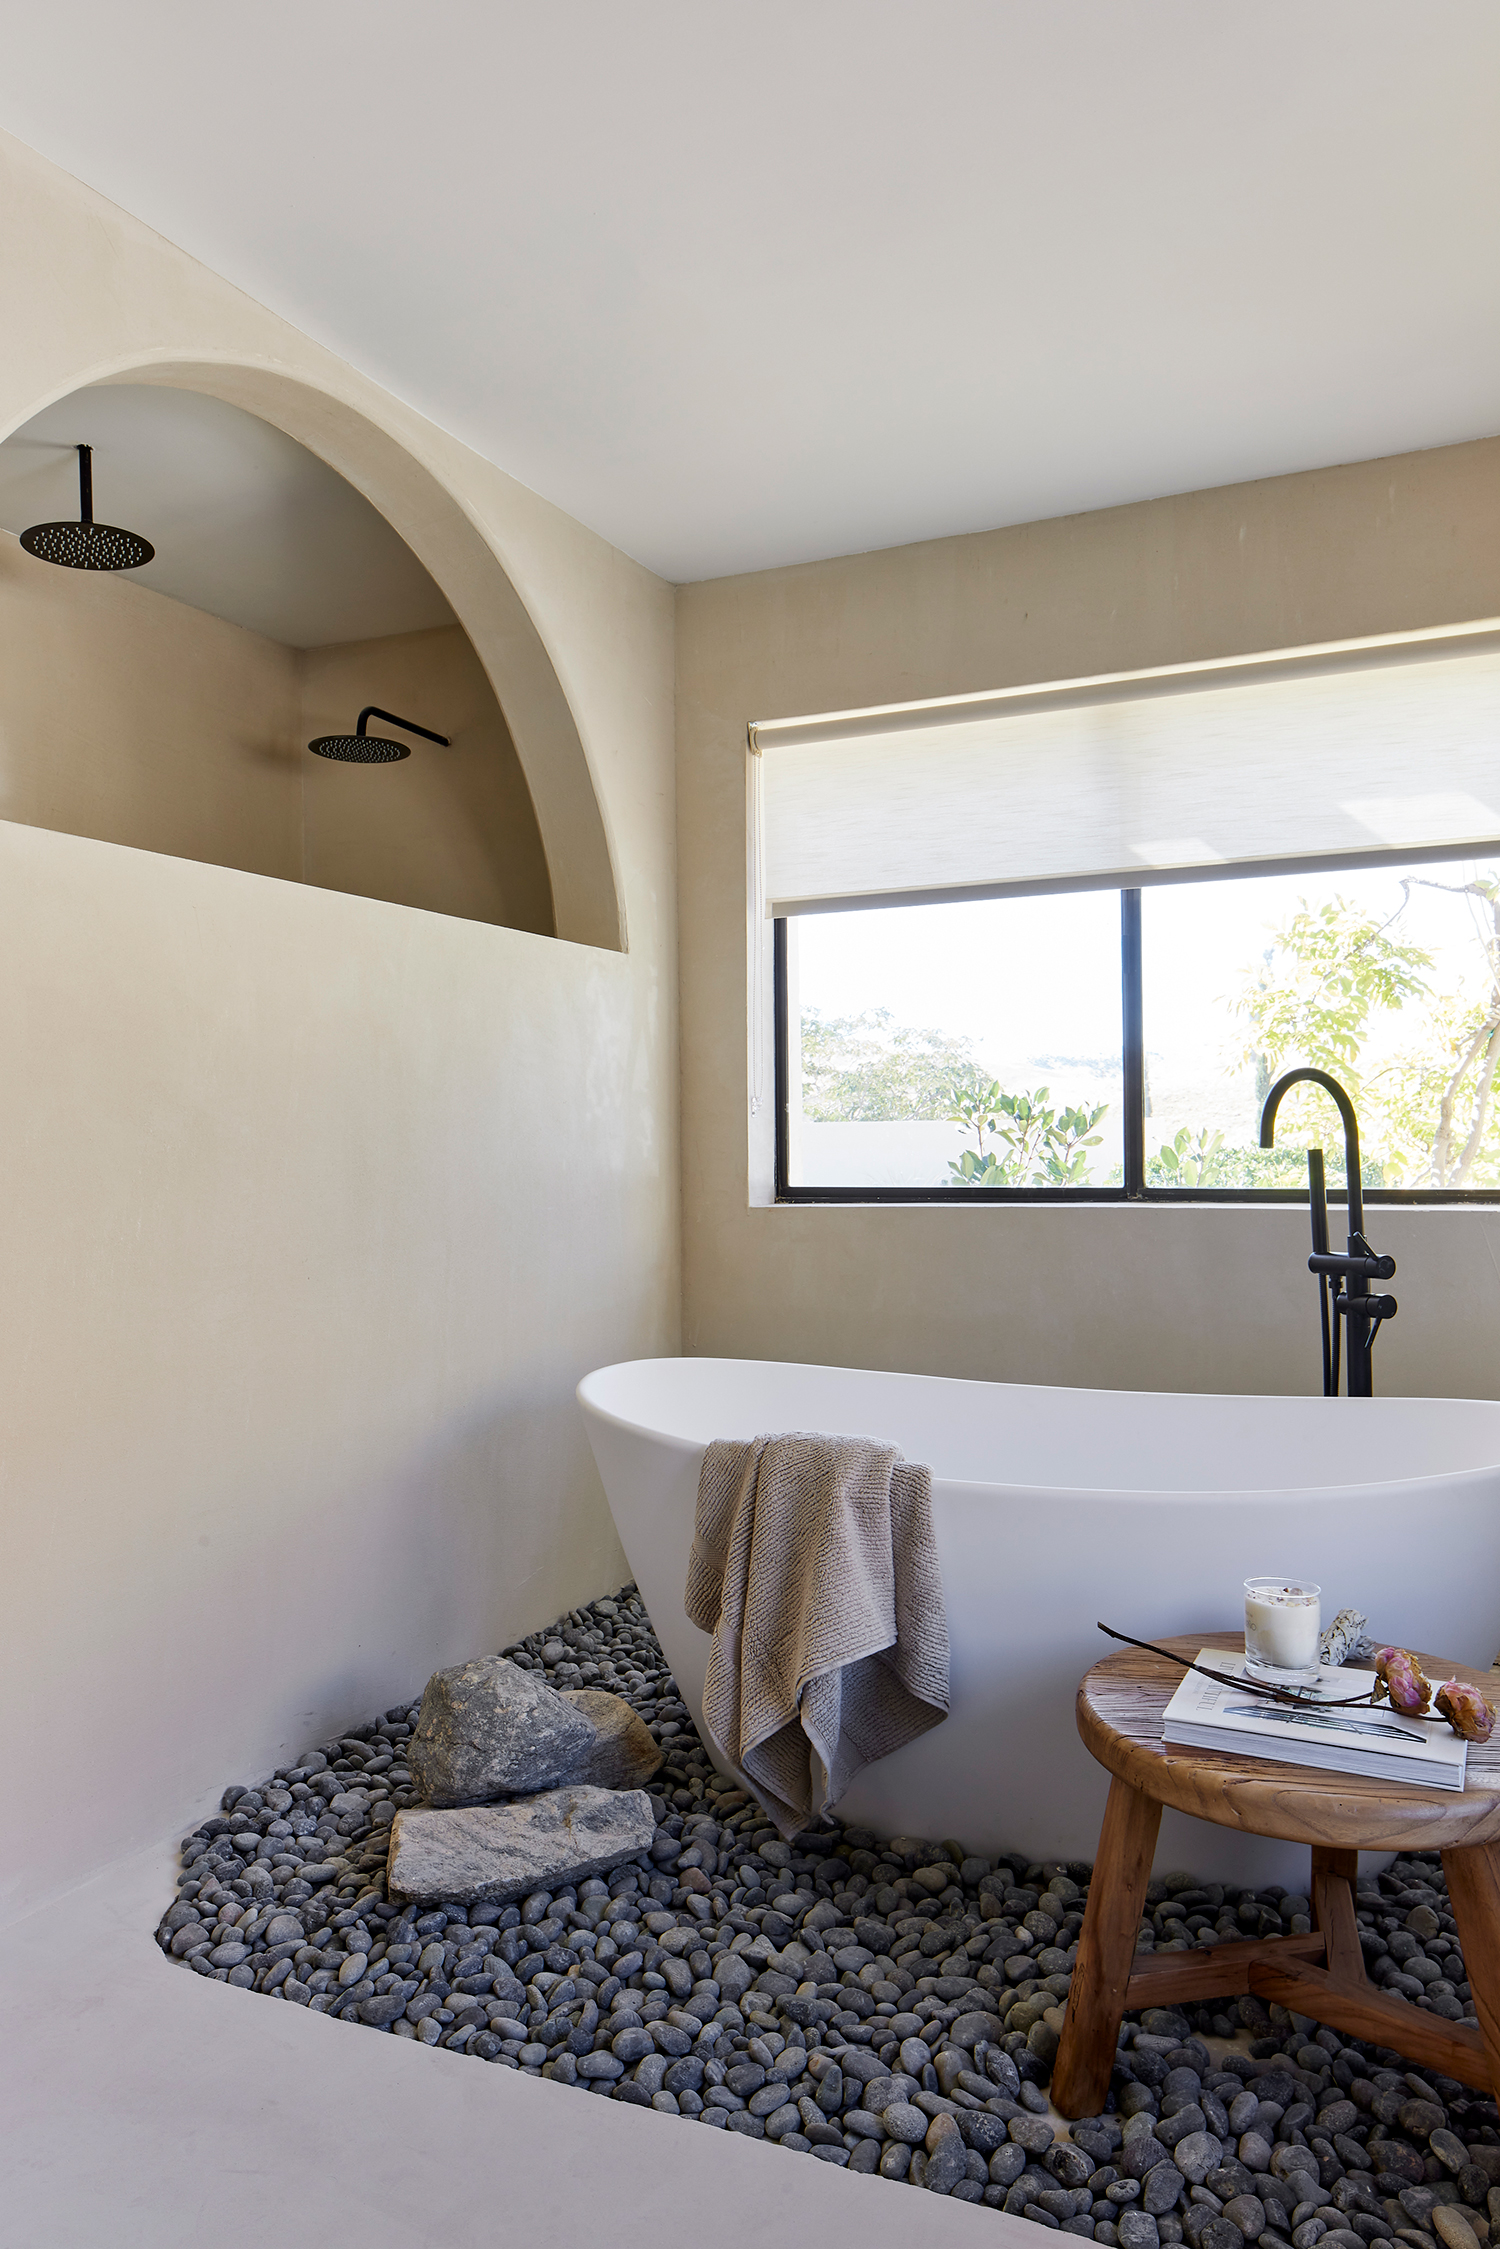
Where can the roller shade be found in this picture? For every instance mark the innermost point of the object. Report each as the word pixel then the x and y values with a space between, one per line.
pixel 1350 750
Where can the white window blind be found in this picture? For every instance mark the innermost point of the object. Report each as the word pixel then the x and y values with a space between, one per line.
pixel 1352 749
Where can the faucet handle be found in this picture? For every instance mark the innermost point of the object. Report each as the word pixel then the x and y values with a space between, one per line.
pixel 1366 1268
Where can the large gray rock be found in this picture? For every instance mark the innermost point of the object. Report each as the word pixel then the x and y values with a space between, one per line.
pixel 489 1729
pixel 625 1754
pixel 494 1853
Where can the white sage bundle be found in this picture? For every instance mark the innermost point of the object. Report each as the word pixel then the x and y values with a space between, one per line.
pixel 1344 1638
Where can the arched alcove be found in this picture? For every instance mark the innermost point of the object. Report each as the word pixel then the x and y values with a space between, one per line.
pixel 479 590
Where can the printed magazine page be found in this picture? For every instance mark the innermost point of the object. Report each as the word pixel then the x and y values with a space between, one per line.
pixel 1373 1740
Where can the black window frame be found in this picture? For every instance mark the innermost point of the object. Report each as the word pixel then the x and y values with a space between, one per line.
pixel 1133 1188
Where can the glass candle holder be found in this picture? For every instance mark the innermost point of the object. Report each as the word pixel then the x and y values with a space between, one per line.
pixel 1283 1630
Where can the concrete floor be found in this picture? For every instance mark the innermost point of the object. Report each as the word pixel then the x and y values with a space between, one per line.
pixel 142 2105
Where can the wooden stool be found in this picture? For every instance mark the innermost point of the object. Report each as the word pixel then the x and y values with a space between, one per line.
pixel 1120 1706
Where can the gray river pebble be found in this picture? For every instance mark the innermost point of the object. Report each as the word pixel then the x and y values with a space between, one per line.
pixel 885 2005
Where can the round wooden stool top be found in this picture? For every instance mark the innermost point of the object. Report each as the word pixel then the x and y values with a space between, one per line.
pixel 1120 1705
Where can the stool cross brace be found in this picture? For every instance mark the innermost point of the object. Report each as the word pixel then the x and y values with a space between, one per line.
pixel 1321 1974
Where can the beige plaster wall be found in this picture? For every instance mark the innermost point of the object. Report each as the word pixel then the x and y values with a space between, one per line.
pixel 130 717
pixel 451 830
pixel 314 1208
pixel 1197 1298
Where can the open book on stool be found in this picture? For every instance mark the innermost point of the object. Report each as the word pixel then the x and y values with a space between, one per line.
pixel 1377 1742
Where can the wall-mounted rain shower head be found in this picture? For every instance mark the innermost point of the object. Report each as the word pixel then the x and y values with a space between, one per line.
pixel 87 545
pixel 360 748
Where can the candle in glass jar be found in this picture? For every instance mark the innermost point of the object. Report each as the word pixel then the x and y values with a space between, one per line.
pixel 1283 1627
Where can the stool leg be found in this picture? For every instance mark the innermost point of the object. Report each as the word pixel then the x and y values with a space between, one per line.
pixel 1474 1893
pixel 1106 1951
pixel 1334 1874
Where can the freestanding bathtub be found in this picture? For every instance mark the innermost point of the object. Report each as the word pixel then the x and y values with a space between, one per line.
pixel 1054 1508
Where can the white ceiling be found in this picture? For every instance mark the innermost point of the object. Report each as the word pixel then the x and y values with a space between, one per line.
pixel 746 285
pixel 246 523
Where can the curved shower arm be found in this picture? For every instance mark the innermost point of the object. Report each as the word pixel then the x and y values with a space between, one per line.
pixel 407 725
pixel 1331 1086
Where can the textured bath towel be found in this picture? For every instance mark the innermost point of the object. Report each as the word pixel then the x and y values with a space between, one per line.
pixel 813 1566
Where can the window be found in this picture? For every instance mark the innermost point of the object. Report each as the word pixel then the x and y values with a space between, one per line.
pixel 1003 1013
pixel 1061 943
pixel 1387 977
pixel 1105 1043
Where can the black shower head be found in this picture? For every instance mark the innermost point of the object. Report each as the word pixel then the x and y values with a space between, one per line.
pixel 360 748
pixel 86 545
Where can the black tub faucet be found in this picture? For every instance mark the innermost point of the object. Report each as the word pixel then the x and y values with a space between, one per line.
pixel 1363 1312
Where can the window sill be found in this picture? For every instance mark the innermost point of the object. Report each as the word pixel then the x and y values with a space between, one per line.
pixel 1167 1198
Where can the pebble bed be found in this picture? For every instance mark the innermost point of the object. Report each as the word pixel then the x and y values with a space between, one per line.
pixel 912 2036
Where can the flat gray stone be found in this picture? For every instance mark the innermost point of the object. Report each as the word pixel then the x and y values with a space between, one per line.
pixel 947 2163
pixel 382 2011
pixel 735 1976
pixel 1034 2133
pixel 497 1853
pixel 968 2030
pixel 1141 2153
pixel 904 2122
pixel 1069 2165
pixel 489 1729
pixel 625 1754
pixel 1197 2155
pixel 1160 2189
pixel 1137 2230
pixel 984 2132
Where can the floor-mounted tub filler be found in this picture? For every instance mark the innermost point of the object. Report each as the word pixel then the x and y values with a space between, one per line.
pixel 1055 1508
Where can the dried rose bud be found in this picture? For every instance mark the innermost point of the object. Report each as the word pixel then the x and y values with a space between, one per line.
pixel 1403 1679
pixel 1466 1710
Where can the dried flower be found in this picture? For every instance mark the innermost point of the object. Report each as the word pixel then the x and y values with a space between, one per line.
pixel 1466 1710
pixel 1399 1675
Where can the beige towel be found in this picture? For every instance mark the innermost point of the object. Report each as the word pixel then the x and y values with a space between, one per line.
pixel 813 1566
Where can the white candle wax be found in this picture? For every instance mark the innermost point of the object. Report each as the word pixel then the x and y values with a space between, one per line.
pixel 1283 1622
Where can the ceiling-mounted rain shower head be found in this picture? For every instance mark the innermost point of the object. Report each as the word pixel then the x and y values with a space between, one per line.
pixel 360 748
pixel 87 545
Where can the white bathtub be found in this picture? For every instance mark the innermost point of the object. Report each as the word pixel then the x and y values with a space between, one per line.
pixel 1054 1508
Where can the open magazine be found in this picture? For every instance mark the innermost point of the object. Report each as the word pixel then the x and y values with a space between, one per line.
pixel 1377 1741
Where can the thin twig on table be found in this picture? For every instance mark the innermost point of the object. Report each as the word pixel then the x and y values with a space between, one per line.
pixel 1246 1683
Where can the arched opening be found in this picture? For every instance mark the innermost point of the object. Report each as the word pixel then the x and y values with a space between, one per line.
pixel 404 605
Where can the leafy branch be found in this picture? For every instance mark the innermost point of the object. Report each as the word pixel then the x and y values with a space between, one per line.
pixel 1044 1146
